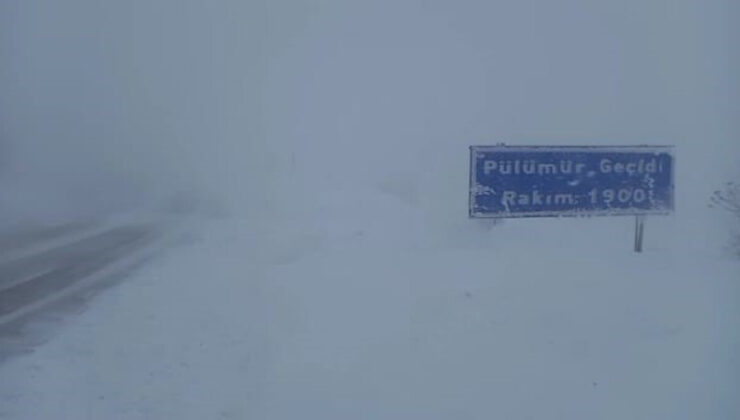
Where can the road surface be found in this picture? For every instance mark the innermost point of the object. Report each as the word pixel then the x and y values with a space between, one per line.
pixel 48 273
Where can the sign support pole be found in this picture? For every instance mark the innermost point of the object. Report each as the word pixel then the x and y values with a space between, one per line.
pixel 639 232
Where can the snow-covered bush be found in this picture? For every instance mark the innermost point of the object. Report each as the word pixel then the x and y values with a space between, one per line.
pixel 728 198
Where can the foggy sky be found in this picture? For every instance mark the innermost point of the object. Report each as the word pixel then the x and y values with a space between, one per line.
pixel 267 106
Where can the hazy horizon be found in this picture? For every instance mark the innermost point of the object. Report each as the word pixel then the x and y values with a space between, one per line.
pixel 266 106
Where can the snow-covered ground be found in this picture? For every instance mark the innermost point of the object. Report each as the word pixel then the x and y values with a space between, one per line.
pixel 345 280
pixel 383 313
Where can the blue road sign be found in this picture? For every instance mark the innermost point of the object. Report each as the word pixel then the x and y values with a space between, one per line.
pixel 513 181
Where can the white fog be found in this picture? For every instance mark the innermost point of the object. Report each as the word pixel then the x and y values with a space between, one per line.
pixel 260 210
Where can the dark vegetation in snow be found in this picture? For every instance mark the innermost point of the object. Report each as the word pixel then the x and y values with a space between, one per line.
pixel 728 198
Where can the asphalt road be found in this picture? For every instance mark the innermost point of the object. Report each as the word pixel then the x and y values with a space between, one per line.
pixel 48 273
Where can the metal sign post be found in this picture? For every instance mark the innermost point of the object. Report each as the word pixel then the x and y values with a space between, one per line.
pixel 639 232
